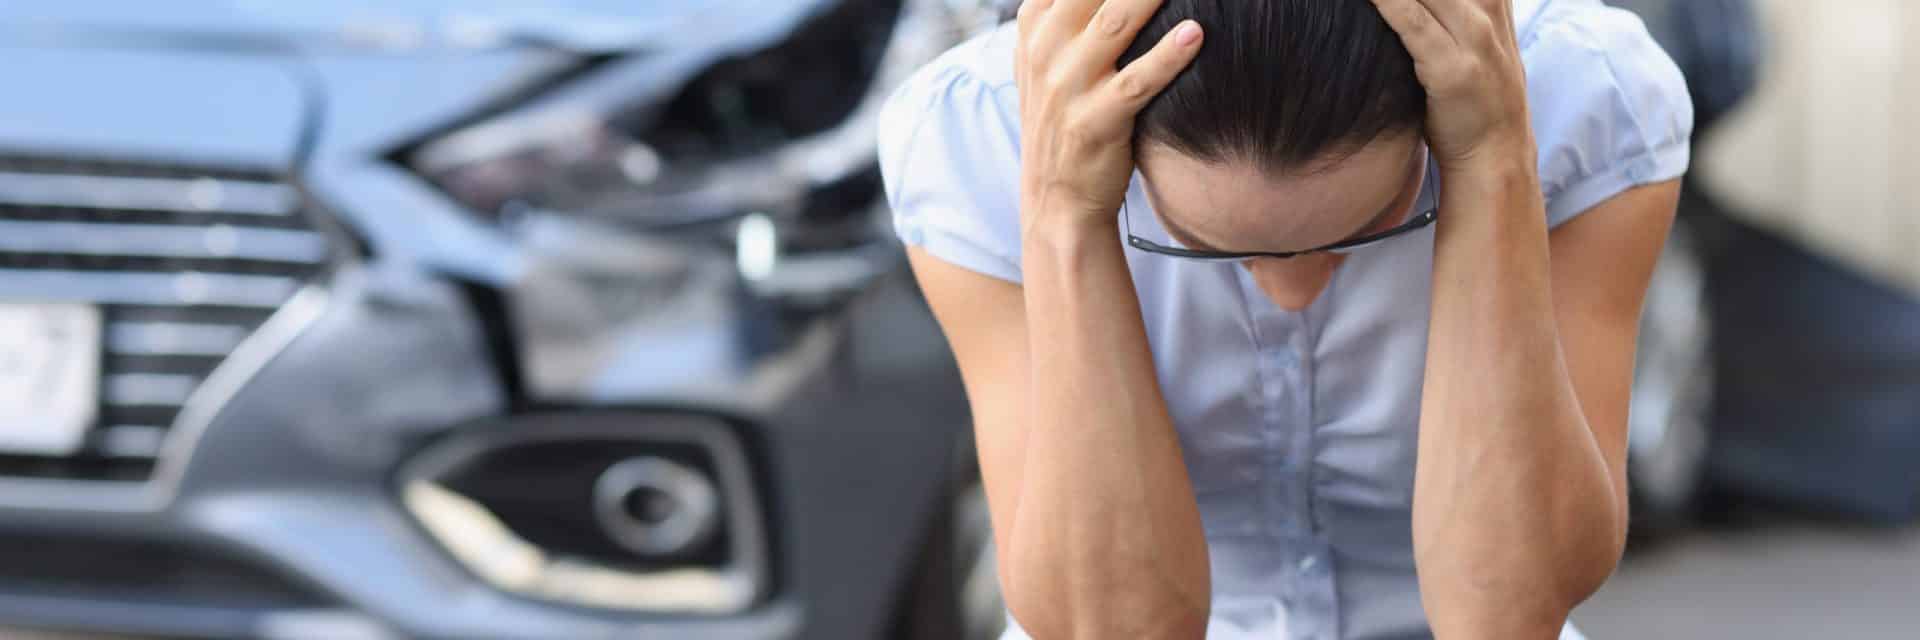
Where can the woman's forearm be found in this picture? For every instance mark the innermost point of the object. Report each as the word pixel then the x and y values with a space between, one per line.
pixel 1107 539
pixel 1515 514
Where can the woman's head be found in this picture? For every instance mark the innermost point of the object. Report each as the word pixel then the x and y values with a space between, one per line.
pixel 1298 124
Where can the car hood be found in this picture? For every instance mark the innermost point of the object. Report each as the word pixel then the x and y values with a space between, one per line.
pixel 575 25
pixel 377 72
pixel 339 84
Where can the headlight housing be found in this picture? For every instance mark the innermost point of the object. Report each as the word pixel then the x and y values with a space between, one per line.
pixel 640 216
pixel 762 132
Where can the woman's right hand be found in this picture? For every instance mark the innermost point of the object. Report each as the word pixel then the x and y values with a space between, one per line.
pixel 1077 108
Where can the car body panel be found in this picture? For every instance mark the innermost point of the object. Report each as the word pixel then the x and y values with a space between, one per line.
pixel 183 107
pixel 851 411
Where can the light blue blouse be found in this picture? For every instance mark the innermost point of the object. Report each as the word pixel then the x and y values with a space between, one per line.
pixel 1299 428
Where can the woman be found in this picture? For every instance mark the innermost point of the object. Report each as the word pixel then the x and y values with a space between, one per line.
pixel 1228 380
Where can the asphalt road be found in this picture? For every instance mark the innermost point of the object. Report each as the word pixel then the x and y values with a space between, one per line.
pixel 1786 580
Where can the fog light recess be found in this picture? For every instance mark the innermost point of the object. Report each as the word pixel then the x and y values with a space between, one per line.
pixel 634 512
pixel 656 507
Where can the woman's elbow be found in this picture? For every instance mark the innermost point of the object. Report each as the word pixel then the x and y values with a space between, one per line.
pixel 1048 611
pixel 1593 558
pixel 1050 621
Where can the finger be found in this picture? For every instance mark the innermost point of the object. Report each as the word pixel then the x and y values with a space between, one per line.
pixel 1029 15
pixel 1496 9
pixel 1025 58
pixel 1468 21
pixel 1081 51
pixel 1505 28
pixel 1109 33
pixel 1028 18
pixel 1501 10
pixel 1136 85
pixel 1422 33
pixel 1063 22
pixel 1075 12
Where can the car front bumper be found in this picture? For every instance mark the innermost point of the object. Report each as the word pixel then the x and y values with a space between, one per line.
pixel 289 490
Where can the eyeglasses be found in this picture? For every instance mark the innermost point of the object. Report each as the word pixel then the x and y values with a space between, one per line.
pixel 1413 224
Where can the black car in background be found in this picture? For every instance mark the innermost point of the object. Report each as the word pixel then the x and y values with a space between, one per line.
pixel 471 319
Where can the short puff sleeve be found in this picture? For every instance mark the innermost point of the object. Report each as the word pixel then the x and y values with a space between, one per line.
pixel 950 156
pixel 1610 108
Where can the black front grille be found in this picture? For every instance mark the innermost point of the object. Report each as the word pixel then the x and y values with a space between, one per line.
pixel 184 264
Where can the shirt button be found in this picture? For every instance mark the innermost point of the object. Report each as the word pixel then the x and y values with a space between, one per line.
pixel 1308 563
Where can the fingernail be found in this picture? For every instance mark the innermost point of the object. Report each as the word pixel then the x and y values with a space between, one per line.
pixel 1187 33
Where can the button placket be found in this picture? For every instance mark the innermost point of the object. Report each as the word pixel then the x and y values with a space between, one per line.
pixel 1315 564
pixel 1316 576
pixel 1305 570
pixel 1303 443
pixel 1271 336
pixel 1287 360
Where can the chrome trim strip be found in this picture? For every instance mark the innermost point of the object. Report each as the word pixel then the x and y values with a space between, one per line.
pixel 334 624
pixel 147 389
pixel 188 288
pixel 193 242
pixel 226 381
pixel 500 558
pixel 129 338
pixel 199 412
pixel 178 195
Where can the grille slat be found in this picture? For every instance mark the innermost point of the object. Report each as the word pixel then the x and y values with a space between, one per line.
pixel 185 262
pixel 175 195
pixel 217 242
pixel 130 338
pixel 147 389
pixel 186 288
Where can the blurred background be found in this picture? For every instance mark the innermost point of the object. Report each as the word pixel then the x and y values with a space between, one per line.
pixel 488 319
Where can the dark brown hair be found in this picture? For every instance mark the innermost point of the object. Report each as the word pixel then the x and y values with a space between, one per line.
pixel 1282 83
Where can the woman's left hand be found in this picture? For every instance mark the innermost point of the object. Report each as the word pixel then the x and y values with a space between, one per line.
pixel 1467 56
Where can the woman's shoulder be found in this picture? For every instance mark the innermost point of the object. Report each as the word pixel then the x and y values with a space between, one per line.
pixel 969 87
pixel 949 153
pixel 1610 109
pixel 1581 54
pixel 1551 30
pixel 985 59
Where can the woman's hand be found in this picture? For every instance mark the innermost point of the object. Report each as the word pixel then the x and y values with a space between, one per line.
pixel 1467 57
pixel 1077 110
